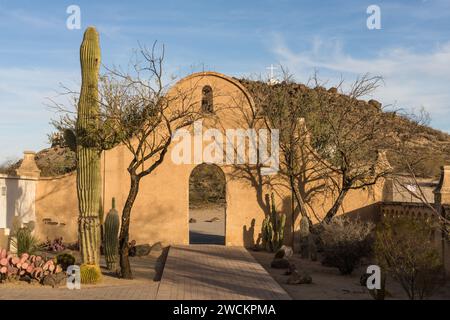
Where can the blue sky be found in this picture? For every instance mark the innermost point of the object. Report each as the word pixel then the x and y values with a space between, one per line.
pixel 239 38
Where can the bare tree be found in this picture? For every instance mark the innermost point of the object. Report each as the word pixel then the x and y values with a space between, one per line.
pixel 413 156
pixel 140 112
pixel 282 106
pixel 348 136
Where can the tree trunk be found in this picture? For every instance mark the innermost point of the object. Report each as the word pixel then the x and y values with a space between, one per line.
pixel 334 209
pixel 298 199
pixel 125 268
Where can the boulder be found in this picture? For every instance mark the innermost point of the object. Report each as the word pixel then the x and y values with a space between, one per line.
pixel 142 250
pixel 284 252
pixel 376 104
pixel 363 279
pixel 157 246
pixel 299 278
pixel 333 90
pixel 292 268
pixel 55 280
pixel 278 263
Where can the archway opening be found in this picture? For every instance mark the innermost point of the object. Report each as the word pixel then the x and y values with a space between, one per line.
pixel 207 205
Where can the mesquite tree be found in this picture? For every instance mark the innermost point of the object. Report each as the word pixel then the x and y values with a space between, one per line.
pixel 284 107
pixel 349 137
pixel 330 140
pixel 143 115
pixel 138 111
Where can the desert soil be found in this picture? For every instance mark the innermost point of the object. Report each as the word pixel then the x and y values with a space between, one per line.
pixel 329 284
pixel 209 227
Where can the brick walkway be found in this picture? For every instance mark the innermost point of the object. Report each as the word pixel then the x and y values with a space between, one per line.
pixel 141 288
pixel 216 272
pixel 122 292
pixel 191 272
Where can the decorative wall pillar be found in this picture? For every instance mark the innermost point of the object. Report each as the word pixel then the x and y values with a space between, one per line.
pixel 442 191
pixel 3 206
pixel 442 204
pixel 4 231
pixel 28 167
pixel 22 193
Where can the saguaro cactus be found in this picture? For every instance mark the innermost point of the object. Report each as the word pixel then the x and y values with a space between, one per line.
pixel 111 239
pixel 88 156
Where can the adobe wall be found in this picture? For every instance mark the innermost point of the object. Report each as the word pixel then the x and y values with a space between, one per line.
pixel 161 210
pixel 421 210
pixel 57 208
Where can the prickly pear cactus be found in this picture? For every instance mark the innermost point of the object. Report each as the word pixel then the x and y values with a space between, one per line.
pixel 111 240
pixel 88 157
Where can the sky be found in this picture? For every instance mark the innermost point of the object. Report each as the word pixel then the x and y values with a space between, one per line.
pixel 38 52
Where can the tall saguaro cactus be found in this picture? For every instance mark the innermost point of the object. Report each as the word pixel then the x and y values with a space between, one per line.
pixel 88 156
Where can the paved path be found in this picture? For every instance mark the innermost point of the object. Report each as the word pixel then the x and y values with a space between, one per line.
pixel 123 292
pixel 216 272
pixel 142 287
pixel 191 272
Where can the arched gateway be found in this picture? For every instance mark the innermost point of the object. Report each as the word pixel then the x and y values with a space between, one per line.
pixel 161 210
pixel 226 137
pixel 207 205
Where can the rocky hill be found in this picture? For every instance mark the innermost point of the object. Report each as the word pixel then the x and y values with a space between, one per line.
pixel 52 161
pixel 423 140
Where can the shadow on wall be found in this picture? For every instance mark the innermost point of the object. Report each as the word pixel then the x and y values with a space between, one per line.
pixel 20 197
pixel 248 233
pixel 368 213
pixel 13 193
pixel 204 238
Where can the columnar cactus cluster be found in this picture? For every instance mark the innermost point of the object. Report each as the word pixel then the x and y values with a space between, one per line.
pixel 111 240
pixel 88 156
pixel 28 266
pixel 273 228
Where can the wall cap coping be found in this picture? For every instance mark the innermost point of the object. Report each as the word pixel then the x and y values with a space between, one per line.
pixel 22 177
pixel 405 204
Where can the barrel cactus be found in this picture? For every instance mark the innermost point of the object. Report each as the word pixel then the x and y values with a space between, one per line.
pixel 90 274
pixel 111 240
pixel 273 228
pixel 88 156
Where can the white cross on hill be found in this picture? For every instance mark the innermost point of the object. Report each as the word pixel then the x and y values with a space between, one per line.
pixel 272 79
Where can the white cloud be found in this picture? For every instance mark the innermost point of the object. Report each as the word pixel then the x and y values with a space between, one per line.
pixel 412 80
pixel 30 18
pixel 24 117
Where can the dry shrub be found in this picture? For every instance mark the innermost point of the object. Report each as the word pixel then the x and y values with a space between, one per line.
pixel 405 249
pixel 345 241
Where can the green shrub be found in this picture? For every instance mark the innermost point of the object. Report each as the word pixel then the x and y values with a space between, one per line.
pixel 65 260
pixel 24 241
pixel 404 248
pixel 345 242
